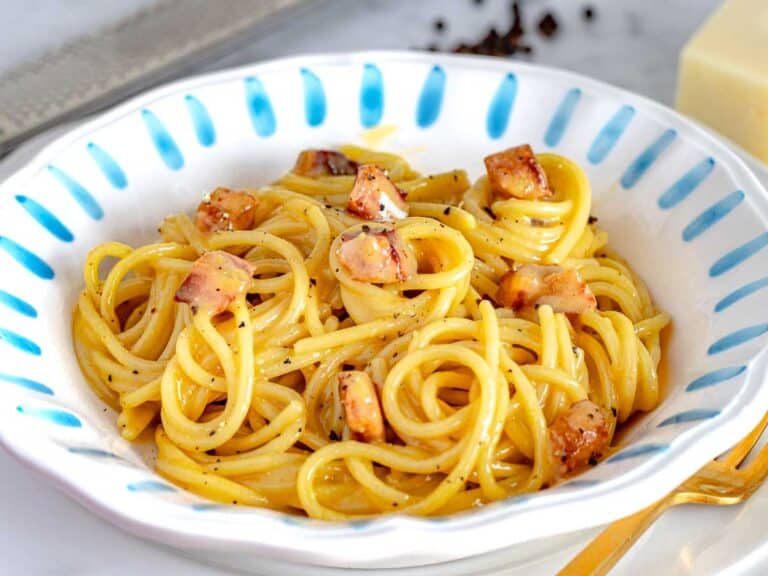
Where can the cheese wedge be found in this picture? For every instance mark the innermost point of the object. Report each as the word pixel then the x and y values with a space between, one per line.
pixel 723 74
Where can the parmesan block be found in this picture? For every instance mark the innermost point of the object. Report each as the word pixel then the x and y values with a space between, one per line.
pixel 723 75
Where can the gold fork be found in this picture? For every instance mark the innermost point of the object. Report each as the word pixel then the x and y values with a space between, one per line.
pixel 721 482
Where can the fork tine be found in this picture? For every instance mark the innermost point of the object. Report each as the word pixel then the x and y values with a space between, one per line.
pixel 756 471
pixel 743 448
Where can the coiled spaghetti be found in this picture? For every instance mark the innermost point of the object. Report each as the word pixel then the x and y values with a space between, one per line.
pixel 245 404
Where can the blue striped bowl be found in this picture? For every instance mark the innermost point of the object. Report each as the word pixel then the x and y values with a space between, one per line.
pixel 683 209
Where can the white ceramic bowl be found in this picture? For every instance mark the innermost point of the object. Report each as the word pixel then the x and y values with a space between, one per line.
pixel 683 209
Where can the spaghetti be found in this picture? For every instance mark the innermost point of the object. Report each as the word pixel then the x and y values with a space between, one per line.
pixel 357 339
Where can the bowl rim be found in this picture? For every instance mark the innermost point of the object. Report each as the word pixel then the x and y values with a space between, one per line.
pixel 313 538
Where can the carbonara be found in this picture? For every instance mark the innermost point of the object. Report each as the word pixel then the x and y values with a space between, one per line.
pixel 356 339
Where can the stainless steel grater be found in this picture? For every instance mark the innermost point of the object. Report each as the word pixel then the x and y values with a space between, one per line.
pixel 154 44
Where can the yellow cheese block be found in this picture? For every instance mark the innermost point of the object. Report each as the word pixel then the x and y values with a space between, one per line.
pixel 723 76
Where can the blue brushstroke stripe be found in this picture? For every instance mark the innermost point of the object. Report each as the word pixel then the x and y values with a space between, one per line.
pixel 290 520
pixel 737 338
pixel 150 486
pixel 507 502
pixel 738 255
pixel 371 96
pixel 681 189
pixel 95 452
pixel 29 260
pixel 740 293
pixel 359 524
pixel 17 304
pixel 444 519
pixel 582 483
pixel 58 417
pixel 314 98
pixel 26 383
pixel 20 342
pixel 694 415
pixel 259 107
pixel 562 117
pixel 45 218
pixel 108 165
pixel 87 202
pixel 201 121
pixel 715 377
pixel 162 140
pixel 645 160
pixel 501 107
pixel 610 134
pixel 206 507
pixel 638 450
pixel 712 215
pixel 431 97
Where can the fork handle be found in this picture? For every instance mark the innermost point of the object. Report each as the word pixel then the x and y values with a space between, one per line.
pixel 611 544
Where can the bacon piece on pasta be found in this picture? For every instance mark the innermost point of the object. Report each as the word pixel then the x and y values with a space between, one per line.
pixel 362 411
pixel 217 278
pixel 515 172
pixel 225 209
pixel 375 196
pixel 376 256
pixel 579 436
pixel 314 163
pixel 534 285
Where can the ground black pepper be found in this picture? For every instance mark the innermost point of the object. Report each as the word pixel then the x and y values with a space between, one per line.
pixel 548 25
pixel 506 43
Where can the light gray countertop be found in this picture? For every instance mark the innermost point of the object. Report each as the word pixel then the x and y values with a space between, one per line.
pixel 630 43
pixel 633 44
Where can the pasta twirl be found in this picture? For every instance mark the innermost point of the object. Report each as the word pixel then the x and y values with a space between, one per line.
pixel 479 328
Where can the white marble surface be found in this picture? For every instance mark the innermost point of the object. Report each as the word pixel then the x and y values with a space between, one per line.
pixel 631 43
pixel 30 28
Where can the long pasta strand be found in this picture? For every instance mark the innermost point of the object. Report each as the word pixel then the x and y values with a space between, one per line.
pixel 245 405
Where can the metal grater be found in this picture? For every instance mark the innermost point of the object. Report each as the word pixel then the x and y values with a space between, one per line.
pixel 97 70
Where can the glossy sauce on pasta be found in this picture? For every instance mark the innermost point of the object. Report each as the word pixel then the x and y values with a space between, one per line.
pixel 477 401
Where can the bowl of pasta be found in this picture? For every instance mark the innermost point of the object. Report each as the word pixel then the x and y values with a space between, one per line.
pixel 379 310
